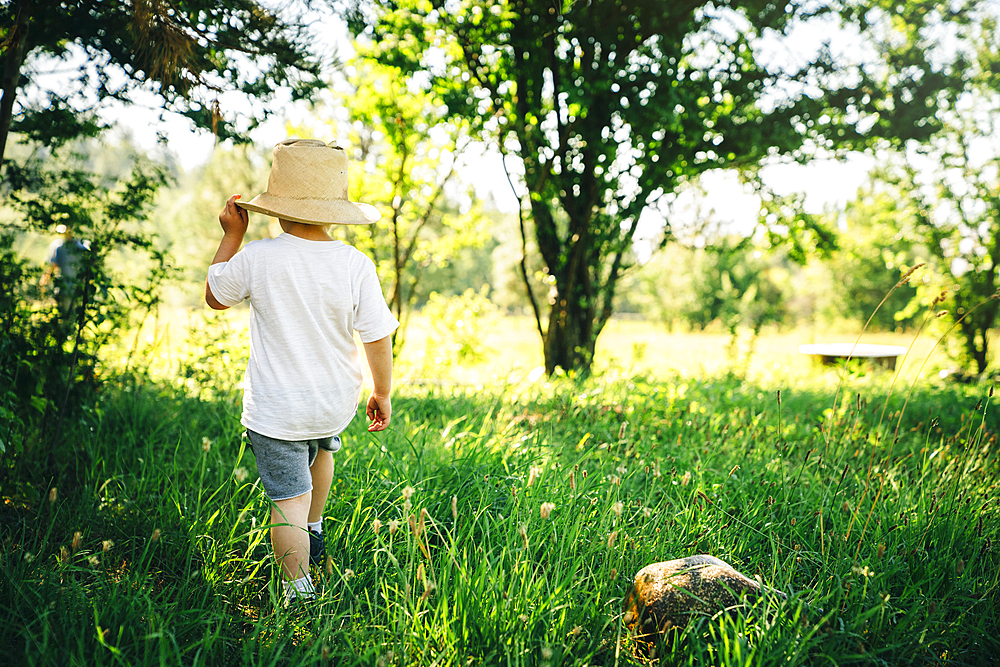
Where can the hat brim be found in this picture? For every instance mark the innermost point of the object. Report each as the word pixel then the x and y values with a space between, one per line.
pixel 313 211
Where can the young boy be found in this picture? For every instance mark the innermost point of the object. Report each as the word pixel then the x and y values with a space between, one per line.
pixel 307 293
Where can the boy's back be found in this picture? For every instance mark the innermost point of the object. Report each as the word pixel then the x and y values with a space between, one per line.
pixel 306 299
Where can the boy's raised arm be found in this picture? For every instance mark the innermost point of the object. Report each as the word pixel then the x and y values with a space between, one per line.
pixel 379 410
pixel 234 221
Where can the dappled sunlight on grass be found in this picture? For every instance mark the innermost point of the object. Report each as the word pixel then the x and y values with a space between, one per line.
pixel 502 516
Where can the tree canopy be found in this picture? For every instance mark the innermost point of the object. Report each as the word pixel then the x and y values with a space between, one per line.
pixel 604 109
pixel 953 183
pixel 187 52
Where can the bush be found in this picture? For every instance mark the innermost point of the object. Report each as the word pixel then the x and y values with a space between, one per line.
pixel 50 351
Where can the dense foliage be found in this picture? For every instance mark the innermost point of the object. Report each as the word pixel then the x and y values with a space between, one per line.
pixel 54 328
pixel 607 108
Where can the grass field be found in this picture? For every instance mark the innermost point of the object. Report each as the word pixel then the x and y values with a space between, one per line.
pixel 512 349
pixel 871 501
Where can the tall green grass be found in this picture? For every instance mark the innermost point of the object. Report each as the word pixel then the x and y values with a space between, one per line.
pixel 880 524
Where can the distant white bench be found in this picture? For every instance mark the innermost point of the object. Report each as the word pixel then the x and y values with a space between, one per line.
pixel 831 353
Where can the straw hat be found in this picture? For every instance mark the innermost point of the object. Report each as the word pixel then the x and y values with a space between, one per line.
pixel 308 183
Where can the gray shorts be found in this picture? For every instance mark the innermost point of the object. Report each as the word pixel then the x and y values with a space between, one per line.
pixel 283 465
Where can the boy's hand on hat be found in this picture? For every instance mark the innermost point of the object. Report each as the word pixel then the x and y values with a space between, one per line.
pixel 379 411
pixel 234 220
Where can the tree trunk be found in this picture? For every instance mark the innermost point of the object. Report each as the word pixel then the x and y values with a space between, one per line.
pixel 13 58
pixel 570 338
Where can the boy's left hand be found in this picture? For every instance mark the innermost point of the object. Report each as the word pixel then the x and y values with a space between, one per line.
pixel 379 411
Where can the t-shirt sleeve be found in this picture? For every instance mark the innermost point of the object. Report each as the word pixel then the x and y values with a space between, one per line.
pixel 372 318
pixel 230 281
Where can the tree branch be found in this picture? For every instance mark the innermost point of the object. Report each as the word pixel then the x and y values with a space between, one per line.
pixel 524 246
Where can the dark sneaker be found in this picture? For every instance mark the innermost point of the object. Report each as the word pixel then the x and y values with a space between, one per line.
pixel 317 548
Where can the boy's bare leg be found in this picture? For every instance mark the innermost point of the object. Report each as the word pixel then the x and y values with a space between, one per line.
pixel 322 478
pixel 288 535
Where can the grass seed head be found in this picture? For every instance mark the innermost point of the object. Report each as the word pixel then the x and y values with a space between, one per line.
pixel 155 537
pixel 611 539
pixel 206 444
pixel 454 508
pixel 78 539
pixel 393 526
pixel 546 509
pixel 53 494
pixel 329 566
pixel 617 508
pixel 106 545
pixel 522 530
pixel 376 526
pixel 906 276
pixel 572 481
pixel 533 475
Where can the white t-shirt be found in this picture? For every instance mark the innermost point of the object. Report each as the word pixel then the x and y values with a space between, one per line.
pixel 304 376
